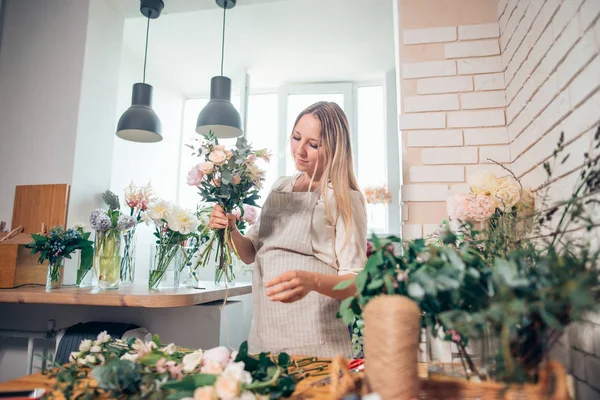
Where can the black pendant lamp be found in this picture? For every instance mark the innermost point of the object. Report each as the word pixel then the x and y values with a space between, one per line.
pixel 140 123
pixel 219 115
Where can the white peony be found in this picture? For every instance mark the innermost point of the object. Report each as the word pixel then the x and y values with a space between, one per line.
pixel 205 393
pixel 146 218
pixel 237 371
pixel 482 182
pixel 211 367
pixel 192 361
pixel 85 345
pixel 507 193
pixel 219 354
pixel 159 210
pixel 182 220
pixel 228 388
pixel 247 395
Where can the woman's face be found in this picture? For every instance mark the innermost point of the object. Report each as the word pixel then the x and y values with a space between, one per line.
pixel 305 142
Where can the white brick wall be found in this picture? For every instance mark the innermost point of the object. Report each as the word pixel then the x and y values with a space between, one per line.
pixel 489 82
pixel 486 136
pixel 481 65
pixel 472 49
pixel 445 85
pixel 438 138
pixel 429 35
pixel 474 101
pixel 424 192
pixel 488 154
pixel 552 71
pixel 412 231
pixel 434 102
pixel 481 31
pixel 428 69
pixel 449 155
pixel 475 119
pixel 422 121
pixel 449 173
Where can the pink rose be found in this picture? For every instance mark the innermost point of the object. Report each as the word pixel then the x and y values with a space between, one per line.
pixel 236 179
pixel 211 367
pixel 205 393
pixel 207 167
pixel 219 354
pixel 218 156
pixel 250 214
pixel 219 147
pixel 160 366
pixel 228 154
pixel 251 158
pixel 217 182
pixel 456 206
pixel 194 177
pixel 480 207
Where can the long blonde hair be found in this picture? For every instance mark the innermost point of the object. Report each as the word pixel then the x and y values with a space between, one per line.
pixel 339 167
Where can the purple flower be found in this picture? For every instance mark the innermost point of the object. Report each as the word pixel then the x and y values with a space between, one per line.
pixel 100 221
pixel 125 222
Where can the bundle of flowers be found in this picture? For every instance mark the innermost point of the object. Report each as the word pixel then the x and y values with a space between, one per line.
pixel 231 179
pixel 377 195
pixel 132 368
pixel 59 244
pixel 173 226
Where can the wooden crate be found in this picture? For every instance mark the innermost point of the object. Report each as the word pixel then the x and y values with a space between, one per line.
pixel 34 206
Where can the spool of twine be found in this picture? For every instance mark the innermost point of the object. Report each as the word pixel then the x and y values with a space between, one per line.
pixel 392 330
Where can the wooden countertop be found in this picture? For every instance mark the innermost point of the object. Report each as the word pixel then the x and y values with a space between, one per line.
pixel 128 296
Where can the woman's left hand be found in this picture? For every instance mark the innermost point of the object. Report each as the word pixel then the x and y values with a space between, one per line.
pixel 291 286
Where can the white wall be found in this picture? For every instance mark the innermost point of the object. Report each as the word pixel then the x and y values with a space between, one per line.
pixel 40 87
pixel 551 63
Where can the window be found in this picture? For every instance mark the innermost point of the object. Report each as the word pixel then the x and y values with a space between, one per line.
pixel 269 122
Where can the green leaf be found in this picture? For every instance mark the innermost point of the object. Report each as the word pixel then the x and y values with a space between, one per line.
pixel 191 382
pixel 375 260
pixel 344 284
pixel 242 352
pixel 156 339
pixel 376 284
pixel 283 360
pixel 361 280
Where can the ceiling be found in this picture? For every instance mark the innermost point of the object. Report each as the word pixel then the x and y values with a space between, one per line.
pixel 275 41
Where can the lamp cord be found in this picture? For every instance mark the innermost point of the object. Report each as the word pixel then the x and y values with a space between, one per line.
pixel 223 37
pixel 146 51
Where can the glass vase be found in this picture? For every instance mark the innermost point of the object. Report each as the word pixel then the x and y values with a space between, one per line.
pixel 187 274
pixel 107 259
pixel 128 260
pixel 85 275
pixel 54 276
pixel 165 266
pixel 225 275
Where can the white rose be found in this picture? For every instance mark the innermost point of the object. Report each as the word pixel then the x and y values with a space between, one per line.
pixel 507 193
pixel 482 182
pixel 85 345
pixel 95 349
pixel 73 356
pixel 237 371
pixel 228 388
pixel 104 337
pixel 207 167
pixel 205 393
pixel 217 156
pixel 247 395
pixel 129 357
pixel 191 361
pixel 90 359
pixel 170 348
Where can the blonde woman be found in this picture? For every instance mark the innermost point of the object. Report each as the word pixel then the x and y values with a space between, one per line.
pixel 311 235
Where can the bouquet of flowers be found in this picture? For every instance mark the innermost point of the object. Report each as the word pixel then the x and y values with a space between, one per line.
pixel 59 244
pixel 135 369
pixel 377 195
pixel 173 226
pixel 109 225
pixel 229 178
pixel 137 200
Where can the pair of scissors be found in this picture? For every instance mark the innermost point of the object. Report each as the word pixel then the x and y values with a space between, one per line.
pixel 356 364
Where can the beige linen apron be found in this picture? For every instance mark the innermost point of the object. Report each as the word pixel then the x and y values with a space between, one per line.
pixel 308 326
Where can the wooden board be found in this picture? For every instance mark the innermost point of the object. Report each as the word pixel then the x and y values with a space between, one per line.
pixel 37 204
pixel 131 296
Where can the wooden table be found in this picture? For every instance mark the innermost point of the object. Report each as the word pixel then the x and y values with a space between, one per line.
pixel 129 296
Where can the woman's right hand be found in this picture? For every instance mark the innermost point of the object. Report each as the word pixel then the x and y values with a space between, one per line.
pixel 220 220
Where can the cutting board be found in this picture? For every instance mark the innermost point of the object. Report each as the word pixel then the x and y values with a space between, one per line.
pixel 34 205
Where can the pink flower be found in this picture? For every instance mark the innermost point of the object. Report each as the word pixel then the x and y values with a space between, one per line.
pixel 161 367
pixel 250 214
pixel 480 207
pixel 219 354
pixel 194 177
pixel 218 157
pixel 456 206
pixel 217 182
pixel 207 167
pixel 228 388
pixel 251 158
pixel 236 179
pixel 211 367
pixel 175 370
